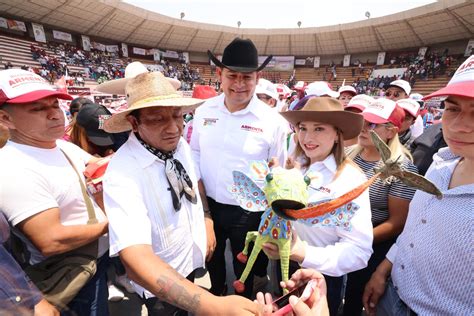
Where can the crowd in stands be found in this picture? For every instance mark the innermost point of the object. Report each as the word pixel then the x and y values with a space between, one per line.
pixel 151 198
pixel 101 66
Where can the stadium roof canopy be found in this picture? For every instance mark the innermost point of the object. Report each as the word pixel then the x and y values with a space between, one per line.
pixel 442 21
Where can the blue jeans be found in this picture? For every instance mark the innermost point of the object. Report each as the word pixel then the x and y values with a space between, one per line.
pixel 391 305
pixel 92 299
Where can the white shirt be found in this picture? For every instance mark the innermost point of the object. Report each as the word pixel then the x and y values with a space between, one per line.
pixel 417 127
pixel 36 179
pixel 140 208
pixel 336 251
pixel 223 142
pixel 432 258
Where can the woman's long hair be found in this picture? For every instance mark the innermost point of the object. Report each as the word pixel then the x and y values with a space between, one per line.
pixel 396 148
pixel 337 150
pixel 79 137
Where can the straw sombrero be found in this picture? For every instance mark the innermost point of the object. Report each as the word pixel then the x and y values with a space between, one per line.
pixel 329 111
pixel 117 86
pixel 147 90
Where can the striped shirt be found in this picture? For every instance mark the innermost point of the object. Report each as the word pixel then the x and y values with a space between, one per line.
pixel 380 191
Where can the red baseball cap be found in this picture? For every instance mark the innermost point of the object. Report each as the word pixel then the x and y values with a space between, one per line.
pixel 20 86
pixel 461 84
pixel 203 92
pixel 384 111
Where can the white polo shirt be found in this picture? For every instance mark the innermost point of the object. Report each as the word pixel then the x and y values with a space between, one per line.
pixel 331 250
pixel 140 209
pixel 223 142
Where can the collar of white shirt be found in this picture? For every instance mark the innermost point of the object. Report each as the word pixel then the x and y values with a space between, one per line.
pixel 255 106
pixel 329 163
pixel 142 155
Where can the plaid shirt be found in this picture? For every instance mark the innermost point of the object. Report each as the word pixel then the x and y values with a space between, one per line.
pixel 17 292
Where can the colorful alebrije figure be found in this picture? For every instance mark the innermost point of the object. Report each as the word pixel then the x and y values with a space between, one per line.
pixel 284 197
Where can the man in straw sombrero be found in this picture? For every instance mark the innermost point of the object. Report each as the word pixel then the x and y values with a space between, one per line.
pixel 157 223
pixel 229 131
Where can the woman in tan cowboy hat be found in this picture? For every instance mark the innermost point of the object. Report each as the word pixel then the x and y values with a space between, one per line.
pixel 156 219
pixel 322 126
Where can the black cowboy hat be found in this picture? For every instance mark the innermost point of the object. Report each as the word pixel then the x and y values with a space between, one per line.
pixel 240 55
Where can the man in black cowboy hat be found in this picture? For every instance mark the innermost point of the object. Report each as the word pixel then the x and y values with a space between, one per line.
pixel 229 131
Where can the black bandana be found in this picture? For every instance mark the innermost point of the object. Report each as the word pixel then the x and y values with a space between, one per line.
pixel 178 178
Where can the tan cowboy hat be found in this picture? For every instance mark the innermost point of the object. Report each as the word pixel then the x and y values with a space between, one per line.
pixel 329 111
pixel 147 90
pixel 117 86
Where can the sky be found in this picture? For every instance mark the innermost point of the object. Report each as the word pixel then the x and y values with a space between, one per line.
pixel 277 13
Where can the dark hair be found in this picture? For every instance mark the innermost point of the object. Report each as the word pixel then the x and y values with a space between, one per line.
pixel 77 103
pixel 135 114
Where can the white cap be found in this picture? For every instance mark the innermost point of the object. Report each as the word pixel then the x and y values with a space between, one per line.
pixel 21 86
pixel 402 84
pixel 350 89
pixel 266 87
pixel 299 85
pixel 409 105
pixel 321 88
pixel 283 89
pixel 360 101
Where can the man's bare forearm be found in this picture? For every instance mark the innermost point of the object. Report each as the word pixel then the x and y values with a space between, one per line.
pixel 51 237
pixel 152 273
pixel 176 294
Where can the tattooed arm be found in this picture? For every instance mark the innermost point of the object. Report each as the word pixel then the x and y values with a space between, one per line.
pixel 148 270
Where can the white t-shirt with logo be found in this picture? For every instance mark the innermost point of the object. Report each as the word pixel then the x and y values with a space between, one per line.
pixel 223 142
pixel 36 179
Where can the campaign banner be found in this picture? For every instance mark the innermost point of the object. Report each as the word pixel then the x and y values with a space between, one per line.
pixel 112 48
pixel 16 25
pixel 98 46
pixel 139 51
pixel 347 61
pixel 86 43
pixel 422 51
pixel 278 63
pixel 80 91
pixel 63 36
pixel 469 48
pixel 380 58
pixel 300 62
pixel 317 62
pixel 156 55
pixel 124 50
pixel 185 57
pixel 3 23
pixel 38 31
pixel 171 54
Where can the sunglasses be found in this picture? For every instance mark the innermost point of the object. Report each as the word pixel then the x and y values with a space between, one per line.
pixel 372 126
pixel 264 97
